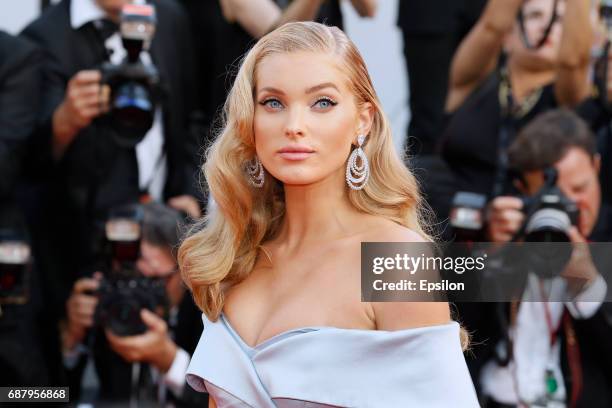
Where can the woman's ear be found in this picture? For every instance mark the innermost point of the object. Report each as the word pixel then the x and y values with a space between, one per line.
pixel 365 118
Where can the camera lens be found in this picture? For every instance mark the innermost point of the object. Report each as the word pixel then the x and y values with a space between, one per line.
pixel 548 225
pixel 132 104
pixel 550 248
pixel 133 112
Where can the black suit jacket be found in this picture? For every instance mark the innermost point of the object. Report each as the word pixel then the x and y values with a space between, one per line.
pixel 20 79
pixel 23 353
pixel 438 16
pixel 95 174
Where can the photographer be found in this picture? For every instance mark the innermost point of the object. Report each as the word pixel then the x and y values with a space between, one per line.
pixel 165 345
pixel 504 73
pixel 546 363
pixel 99 164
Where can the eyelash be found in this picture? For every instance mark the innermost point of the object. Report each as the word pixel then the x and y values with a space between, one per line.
pixel 326 99
pixel 266 101
pixel 323 99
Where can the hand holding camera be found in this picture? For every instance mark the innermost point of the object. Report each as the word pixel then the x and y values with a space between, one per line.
pixel 505 217
pixel 154 346
pixel 580 270
pixel 128 91
pixel 128 292
pixel 124 290
pixel 134 83
pixel 86 99
pixel 80 310
pixel 147 340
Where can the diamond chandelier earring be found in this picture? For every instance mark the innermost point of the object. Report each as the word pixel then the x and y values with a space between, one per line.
pixel 255 172
pixel 357 174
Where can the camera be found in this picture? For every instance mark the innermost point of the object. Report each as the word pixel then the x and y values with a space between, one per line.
pixel 134 84
pixel 549 214
pixel 125 291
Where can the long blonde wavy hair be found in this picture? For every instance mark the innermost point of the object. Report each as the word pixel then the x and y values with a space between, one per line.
pixel 221 249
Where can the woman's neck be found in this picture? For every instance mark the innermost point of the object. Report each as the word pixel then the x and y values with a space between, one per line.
pixel 524 81
pixel 317 212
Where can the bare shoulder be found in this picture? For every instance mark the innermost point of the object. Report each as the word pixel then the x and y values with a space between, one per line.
pixel 384 230
pixel 404 315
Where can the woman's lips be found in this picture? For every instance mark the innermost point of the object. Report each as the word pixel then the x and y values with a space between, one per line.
pixel 295 155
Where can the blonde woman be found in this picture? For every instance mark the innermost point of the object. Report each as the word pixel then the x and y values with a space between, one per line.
pixel 276 268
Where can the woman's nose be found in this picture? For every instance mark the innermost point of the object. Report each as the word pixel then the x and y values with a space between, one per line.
pixel 294 127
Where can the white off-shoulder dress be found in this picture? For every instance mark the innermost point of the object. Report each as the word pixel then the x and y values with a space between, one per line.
pixel 326 366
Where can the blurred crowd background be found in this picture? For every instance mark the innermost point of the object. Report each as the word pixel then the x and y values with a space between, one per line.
pixel 501 107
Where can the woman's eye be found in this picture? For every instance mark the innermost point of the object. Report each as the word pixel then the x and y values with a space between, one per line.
pixel 324 103
pixel 272 103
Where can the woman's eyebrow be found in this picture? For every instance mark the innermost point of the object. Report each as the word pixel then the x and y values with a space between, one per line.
pixel 322 86
pixel 271 90
pixel 308 91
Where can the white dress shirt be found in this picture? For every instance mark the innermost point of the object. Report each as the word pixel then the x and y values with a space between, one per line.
pixel 533 355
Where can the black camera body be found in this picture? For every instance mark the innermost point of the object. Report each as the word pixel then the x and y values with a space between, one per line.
pixel 134 84
pixel 124 291
pixel 132 100
pixel 549 214
pixel 122 296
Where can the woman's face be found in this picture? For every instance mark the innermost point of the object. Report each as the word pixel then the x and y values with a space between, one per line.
pixel 306 117
pixel 536 16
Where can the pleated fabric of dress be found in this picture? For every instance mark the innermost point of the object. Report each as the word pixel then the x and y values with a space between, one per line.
pixel 326 366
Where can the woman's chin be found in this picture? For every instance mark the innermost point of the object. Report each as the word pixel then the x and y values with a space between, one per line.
pixel 296 181
pixel 295 176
